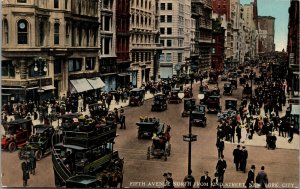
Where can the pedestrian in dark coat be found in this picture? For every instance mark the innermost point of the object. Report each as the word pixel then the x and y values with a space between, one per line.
pixel 220 146
pixel 238 133
pixel 215 182
pixel 262 178
pixel 32 162
pixel 250 179
pixel 221 167
pixel 205 181
pixel 122 118
pixel 244 157
pixel 25 173
pixel 237 157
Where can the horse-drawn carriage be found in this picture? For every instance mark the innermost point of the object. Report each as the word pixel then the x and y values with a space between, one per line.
pixel 174 97
pixel 188 104
pixel 161 146
pixel 147 127
pixel 159 103
pixel 227 89
pixel 137 97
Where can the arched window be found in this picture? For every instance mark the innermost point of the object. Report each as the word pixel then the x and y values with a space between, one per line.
pixel 22 32
pixel 5 31
pixel 56 33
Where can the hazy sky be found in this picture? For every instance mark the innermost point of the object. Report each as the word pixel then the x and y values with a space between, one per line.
pixel 279 10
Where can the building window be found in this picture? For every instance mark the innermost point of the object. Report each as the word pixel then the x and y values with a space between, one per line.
pixel 179 57
pixel 107 23
pixel 162 30
pixel 169 18
pixel 162 42
pixel 42 33
pixel 90 63
pixel 142 3
pixel 75 64
pixel 142 56
pixel 169 31
pixel 67 34
pixel 66 4
pixel 169 6
pixel 56 2
pixel 106 45
pixel 162 57
pixel 57 66
pixel 79 36
pixel 162 6
pixel 169 43
pixel 22 1
pixel 56 33
pixel 5 31
pixel 169 57
pixel 180 42
pixel 213 50
pixel 87 31
pixel 162 18
pixel 137 57
pixel 7 68
pixel 22 32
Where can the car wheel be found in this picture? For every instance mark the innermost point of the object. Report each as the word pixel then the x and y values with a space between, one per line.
pixel 38 155
pixel 12 147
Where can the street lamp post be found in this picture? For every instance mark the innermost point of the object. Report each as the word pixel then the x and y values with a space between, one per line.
pixel 189 180
pixel 40 60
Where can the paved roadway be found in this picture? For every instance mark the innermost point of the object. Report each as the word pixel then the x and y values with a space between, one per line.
pixel 281 165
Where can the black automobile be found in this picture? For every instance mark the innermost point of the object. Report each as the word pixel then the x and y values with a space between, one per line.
pixel 137 97
pixel 147 129
pixel 227 89
pixel 247 92
pixel 40 142
pixel 159 103
pixel 213 104
pixel 98 110
pixel 173 98
pixel 233 83
pixel 198 119
pixel 188 104
pixel 231 103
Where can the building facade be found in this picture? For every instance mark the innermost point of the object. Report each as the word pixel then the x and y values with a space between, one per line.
pixel 175 28
pixel 218 42
pixel 293 33
pixel 122 42
pixel 46 45
pixel 267 23
pixel 144 41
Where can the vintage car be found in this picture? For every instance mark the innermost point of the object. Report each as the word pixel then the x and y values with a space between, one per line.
pixel 173 98
pixel 242 81
pixel 203 88
pixel 227 89
pixel 98 110
pixel 231 103
pixel 198 118
pixel 17 132
pixel 69 121
pixel 247 92
pixel 215 92
pixel 213 104
pixel 233 83
pixel 149 126
pixel 160 147
pixel 206 93
pixel 213 77
pixel 188 104
pixel 188 93
pixel 40 142
pixel 136 97
pixel 226 113
pixel 232 75
pixel 159 103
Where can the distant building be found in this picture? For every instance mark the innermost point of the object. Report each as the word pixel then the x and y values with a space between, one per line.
pixel 293 33
pixel 218 41
pixel 266 44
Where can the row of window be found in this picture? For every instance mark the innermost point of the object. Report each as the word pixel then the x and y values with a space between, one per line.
pixel 140 38
pixel 144 3
pixel 55 4
pixel 140 20
pixel 163 6
pixel 167 57
pixel 141 56
pixel 169 43
pixel 169 31
pixel 163 18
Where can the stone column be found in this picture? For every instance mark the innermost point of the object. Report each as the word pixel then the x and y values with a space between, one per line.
pixel 51 69
pixel 65 77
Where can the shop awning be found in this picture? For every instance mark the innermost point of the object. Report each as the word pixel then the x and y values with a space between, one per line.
pixel 48 87
pixel 295 109
pixel 80 85
pixel 96 83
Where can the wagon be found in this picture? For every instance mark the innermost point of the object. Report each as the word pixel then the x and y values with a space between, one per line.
pixel 159 103
pixel 160 148
pixel 147 129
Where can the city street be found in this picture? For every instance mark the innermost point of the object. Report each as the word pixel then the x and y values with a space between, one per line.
pixel 282 164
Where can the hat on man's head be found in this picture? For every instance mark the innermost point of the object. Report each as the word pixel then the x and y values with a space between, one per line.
pixel 244 147
pixel 206 172
pixel 238 146
pixel 170 174
pixel 165 174
pixel 252 166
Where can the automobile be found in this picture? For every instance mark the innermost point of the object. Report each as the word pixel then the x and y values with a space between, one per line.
pixel 233 83
pixel 224 77
pixel 232 75
pixel 198 119
pixel 40 142
pixel 17 132
pixel 188 104
pixel 188 93
pixel 213 104
pixel 247 92
pixel 227 89
pixel 160 147
pixel 147 128
pixel 239 73
pixel 215 91
pixel 231 103
pixel 206 93
pixel 224 114
pixel 98 110
pixel 136 97
pixel 69 121
pixel 159 103
pixel 174 97
pixel 213 77
pixel 242 81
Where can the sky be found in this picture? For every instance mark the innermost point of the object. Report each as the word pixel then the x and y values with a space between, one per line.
pixel 279 10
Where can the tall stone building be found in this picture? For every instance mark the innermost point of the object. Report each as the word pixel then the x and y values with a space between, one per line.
pixel 144 41
pixel 293 33
pixel 175 29
pixel 48 45
pixel 267 44
pixel 122 42
pixel 202 13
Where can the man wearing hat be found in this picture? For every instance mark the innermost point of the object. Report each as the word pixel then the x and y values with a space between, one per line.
pixel 250 180
pixel 221 167
pixel 168 180
pixel 244 157
pixel 205 181
pixel 215 182
pixel 237 157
